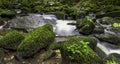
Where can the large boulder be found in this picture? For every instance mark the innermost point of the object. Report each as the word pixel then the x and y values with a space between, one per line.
pixel 108 37
pixel 32 21
pixel 85 26
pixel 11 40
pixel 36 40
pixel 75 50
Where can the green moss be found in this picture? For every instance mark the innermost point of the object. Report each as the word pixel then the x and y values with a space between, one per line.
pixel 111 62
pixel 11 40
pixel 77 50
pixel 116 25
pixel 36 40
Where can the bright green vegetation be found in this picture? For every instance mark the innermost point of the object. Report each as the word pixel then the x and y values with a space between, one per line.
pixel 111 62
pixel 11 40
pixel 85 26
pixel 63 7
pixel 36 40
pixel 77 50
pixel 116 25
pixel 92 41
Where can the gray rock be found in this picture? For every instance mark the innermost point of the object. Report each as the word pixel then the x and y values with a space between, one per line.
pixel 32 21
pixel 98 30
pixel 111 38
pixel 108 20
pixel 114 56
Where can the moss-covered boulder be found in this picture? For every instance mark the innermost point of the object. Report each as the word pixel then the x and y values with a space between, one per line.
pixel 85 26
pixel 11 40
pixel 77 51
pixel 36 40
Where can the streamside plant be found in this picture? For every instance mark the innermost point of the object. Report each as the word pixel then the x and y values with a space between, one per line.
pixel 111 62
pixel 116 25
pixel 36 40
pixel 78 51
pixel 11 40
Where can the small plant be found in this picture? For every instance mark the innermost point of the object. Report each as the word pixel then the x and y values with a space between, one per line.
pixel 77 50
pixel 111 62
pixel 116 25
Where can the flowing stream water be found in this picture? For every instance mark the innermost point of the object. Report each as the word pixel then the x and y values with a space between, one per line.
pixel 61 28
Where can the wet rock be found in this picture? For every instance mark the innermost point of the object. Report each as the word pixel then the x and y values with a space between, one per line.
pixel 114 56
pixel 108 20
pixel 32 21
pixel 60 39
pixel 116 30
pixel 85 26
pixel 111 38
pixel 98 30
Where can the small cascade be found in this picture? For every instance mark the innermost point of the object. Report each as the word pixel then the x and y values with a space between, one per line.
pixel 63 29
pixel 2 24
pixel 105 49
